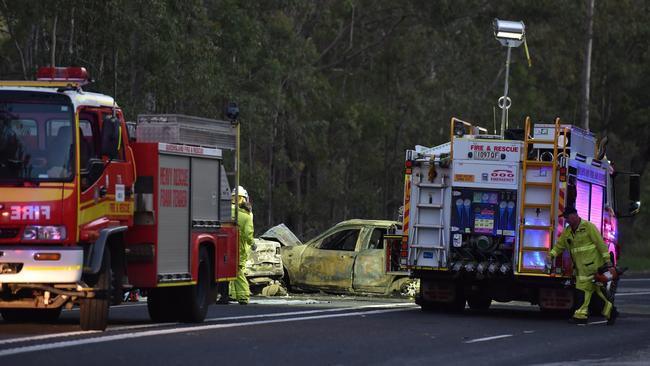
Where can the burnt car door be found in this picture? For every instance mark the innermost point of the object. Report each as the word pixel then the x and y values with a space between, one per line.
pixel 327 263
pixel 369 274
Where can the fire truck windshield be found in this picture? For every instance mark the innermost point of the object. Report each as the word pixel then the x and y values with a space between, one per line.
pixel 36 137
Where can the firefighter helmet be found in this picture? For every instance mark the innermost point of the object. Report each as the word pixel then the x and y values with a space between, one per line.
pixel 242 192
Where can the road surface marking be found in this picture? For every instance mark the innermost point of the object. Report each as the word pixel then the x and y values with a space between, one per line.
pixel 598 322
pixel 305 312
pixel 489 338
pixel 47 336
pixel 287 302
pixel 153 325
pixel 634 280
pixel 80 332
pixel 185 329
pixel 113 306
pixel 632 293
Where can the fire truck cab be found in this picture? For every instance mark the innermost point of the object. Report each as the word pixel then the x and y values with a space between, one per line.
pixel 86 212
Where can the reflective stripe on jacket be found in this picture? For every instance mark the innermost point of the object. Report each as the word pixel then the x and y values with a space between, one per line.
pixel 587 248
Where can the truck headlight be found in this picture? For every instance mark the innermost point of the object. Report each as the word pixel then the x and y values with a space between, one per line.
pixel 37 232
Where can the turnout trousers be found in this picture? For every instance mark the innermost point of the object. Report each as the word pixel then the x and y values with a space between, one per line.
pixel 239 289
pixel 584 295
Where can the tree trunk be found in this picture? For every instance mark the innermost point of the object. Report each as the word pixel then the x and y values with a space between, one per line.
pixel 53 60
pixel 586 69
pixel 13 37
pixel 71 39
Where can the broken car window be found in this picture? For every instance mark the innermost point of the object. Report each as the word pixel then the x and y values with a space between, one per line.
pixel 377 239
pixel 342 240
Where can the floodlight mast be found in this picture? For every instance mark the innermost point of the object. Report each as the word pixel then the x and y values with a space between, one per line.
pixel 510 34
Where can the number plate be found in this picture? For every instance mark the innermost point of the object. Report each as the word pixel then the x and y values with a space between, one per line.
pixel 486 155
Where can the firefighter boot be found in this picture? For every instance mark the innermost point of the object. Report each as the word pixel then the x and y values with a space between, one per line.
pixel 612 316
pixel 609 310
pixel 581 314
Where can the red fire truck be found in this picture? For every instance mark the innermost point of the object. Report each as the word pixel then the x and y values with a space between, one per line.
pixel 86 211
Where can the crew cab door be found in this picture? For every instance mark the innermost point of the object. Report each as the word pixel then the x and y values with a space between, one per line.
pixel 328 263
pixel 369 273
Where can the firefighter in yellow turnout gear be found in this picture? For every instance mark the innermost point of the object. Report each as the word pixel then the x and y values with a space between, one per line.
pixel 588 252
pixel 239 288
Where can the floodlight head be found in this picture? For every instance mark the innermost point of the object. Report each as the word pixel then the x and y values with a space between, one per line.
pixel 509 33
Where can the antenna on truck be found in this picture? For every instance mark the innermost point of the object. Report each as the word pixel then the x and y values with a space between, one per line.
pixel 114 83
pixel 232 112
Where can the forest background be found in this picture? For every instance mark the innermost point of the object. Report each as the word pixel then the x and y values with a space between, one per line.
pixel 333 91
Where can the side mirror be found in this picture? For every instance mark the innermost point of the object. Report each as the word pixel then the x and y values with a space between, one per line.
pixel 110 136
pixel 635 194
pixel 131 130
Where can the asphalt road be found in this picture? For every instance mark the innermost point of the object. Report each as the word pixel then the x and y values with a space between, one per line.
pixel 340 330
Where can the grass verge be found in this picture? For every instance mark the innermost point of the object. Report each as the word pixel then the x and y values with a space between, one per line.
pixel 635 263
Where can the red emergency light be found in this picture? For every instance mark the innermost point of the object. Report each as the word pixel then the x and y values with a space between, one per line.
pixel 76 74
pixel 408 165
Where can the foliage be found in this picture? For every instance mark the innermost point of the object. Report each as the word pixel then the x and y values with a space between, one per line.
pixel 333 91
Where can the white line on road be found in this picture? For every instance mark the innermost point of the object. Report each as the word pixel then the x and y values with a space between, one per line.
pixel 632 293
pixel 81 332
pixel 154 325
pixel 597 322
pixel 114 306
pixel 634 280
pixel 152 333
pixel 489 338
pixel 268 315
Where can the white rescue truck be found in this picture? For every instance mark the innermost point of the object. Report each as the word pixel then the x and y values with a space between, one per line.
pixel 481 213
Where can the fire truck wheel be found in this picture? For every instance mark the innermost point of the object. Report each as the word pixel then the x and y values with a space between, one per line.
pixel 162 305
pixel 457 305
pixel 195 310
pixel 93 312
pixel 479 301
pixel 31 315
pixel 431 306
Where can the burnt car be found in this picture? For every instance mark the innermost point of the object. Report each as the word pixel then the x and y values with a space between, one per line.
pixel 264 264
pixel 347 258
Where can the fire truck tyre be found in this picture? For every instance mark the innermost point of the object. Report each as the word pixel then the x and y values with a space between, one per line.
pixel 479 301
pixel 430 306
pixel 162 304
pixel 31 315
pixel 198 296
pixel 93 312
pixel 457 305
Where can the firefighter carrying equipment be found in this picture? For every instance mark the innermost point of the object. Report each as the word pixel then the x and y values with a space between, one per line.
pixel 589 253
pixel 606 273
pixel 239 288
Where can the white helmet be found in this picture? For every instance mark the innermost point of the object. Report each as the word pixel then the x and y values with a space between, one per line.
pixel 242 192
